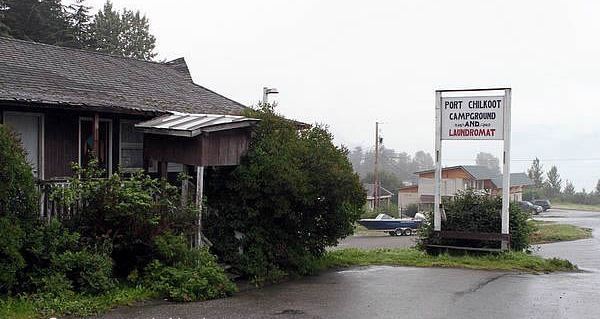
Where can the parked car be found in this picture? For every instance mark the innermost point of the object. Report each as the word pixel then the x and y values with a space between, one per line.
pixel 542 202
pixel 530 208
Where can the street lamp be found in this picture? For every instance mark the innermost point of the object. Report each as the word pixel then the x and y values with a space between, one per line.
pixel 266 92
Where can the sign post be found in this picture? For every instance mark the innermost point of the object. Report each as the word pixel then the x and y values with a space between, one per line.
pixel 474 117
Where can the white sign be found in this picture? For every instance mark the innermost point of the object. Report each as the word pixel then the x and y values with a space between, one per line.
pixel 473 118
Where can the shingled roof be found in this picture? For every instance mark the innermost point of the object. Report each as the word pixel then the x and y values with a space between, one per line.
pixel 39 73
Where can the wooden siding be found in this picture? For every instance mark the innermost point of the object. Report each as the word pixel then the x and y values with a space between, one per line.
pixel 449 173
pixel 214 149
pixel 61 136
pixel 60 144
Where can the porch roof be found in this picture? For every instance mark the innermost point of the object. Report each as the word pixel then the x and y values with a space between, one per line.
pixel 190 125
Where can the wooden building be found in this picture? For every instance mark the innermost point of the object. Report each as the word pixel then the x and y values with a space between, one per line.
pixel 69 104
pixel 459 178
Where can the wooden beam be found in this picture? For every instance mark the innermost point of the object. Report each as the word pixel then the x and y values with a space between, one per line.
pixel 96 132
pixel 199 195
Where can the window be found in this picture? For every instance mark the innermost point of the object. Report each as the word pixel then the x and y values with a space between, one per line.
pixel 132 147
pixel 86 143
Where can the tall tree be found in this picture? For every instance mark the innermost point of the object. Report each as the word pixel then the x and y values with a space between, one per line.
pixel 136 40
pixel 598 188
pixel 536 173
pixel 488 160
pixel 4 29
pixel 106 30
pixel 79 19
pixel 569 188
pixel 36 20
pixel 126 33
pixel 554 183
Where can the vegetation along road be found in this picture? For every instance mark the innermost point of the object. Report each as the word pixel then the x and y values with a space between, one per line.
pixel 389 292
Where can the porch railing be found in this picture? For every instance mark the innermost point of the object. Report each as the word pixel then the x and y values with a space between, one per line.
pixel 50 208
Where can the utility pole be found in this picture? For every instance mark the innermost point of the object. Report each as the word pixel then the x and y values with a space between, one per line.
pixel 376 172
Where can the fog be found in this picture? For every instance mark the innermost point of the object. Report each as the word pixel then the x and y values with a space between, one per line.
pixel 350 63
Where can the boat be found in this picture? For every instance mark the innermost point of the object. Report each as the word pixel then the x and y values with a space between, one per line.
pixel 394 226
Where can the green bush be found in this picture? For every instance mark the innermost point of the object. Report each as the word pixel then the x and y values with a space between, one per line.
pixel 88 272
pixel 57 263
pixel 11 260
pixel 293 194
pixel 18 195
pixel 469 211
pixel 184 274
pixel 124 213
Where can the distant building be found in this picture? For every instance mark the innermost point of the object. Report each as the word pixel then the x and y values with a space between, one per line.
pixel 459 178
pixel 385 196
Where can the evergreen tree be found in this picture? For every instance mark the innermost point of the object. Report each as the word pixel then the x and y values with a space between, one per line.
pixel 106 30
pixel 36 20
pixel 136 40
pixel 4 29
pixel 554 183
pixel 488 160
pixel 536 173
pixel 80 23
pixel 569 188
pixel 126 34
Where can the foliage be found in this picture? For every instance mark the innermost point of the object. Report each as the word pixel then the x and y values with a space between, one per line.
pixel 18 195
pixel 37 20
pixel 488 160
pixel 469 211
pixel 569 188
pixel 508 261
pixel 548 232
pixel 71 25
pixel 45 306
pixel 536 173
pixel 394 167
pixel 126 33
pixel 553 184
pixel 88 272
pixel 127 213
pixel 293 195
pixel 11 261
pixel 184 274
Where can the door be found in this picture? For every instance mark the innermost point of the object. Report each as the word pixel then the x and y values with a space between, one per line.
pixel 28 127
pixel 86 143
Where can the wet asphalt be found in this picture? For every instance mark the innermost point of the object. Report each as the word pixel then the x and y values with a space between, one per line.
pixel 407 292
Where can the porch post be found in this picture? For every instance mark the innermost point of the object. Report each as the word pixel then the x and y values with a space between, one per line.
pixel 96 133
pixel 163 168
pixel 199 195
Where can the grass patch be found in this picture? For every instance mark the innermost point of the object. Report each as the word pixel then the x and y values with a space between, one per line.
pixel 573 206
pixel 509 261
pixel 549 232
pixel 43 306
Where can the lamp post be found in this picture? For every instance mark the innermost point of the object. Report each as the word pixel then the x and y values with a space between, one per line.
pixel 266 92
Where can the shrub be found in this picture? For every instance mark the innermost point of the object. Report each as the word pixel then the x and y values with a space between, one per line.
pixel 11 261
pixel 184 274
pixel 469 211
pixel 18 195
pixel 293 194
pixel 125 213
pixel 57 263
pixel 88 272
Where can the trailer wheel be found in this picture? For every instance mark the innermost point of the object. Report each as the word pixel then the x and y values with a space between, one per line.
pixel 392 233
pixel 408 232
pixel 399 232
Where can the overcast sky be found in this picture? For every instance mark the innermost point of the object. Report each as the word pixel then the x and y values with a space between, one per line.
pixel 350 63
